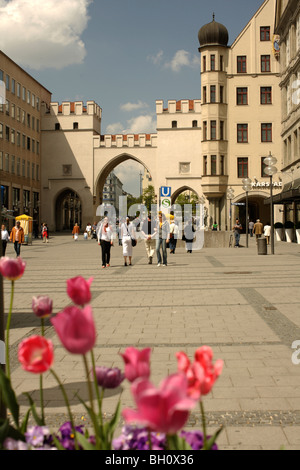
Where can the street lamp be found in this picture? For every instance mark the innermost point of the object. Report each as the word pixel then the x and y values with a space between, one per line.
pixel 230 196
pixel 247 186
pixel 271 170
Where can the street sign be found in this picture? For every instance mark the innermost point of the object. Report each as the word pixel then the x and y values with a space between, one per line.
pixel 238 203
pixel 165 191
pixel 166 202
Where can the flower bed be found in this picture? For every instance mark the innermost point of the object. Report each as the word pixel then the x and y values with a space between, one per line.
pixel 161 412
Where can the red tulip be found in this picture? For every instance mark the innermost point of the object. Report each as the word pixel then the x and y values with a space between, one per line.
pixel 42 306
pixel 202 374
pixel 36 354
pixel 76 329
pixel 78 289
pixel 12 269
pixel 165 409
pixel 137 363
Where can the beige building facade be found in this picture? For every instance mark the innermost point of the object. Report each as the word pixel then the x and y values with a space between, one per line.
pixel 20 141
pixel 287 30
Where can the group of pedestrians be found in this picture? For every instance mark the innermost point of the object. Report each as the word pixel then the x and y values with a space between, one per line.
pixel 158 235
pixel 16 236
pixel 257 229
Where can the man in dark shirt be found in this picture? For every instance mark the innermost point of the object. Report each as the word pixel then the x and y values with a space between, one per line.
pixel 237 232
pixel 147 232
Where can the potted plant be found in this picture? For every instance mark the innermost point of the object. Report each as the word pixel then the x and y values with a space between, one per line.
pixel 278 231
pixel 298 232
pixel 289 231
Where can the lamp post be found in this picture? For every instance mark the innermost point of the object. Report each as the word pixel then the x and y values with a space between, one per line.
pixel 271 170
pixel 247 186
pixel 230 196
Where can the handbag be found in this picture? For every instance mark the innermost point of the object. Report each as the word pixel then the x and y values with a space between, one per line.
pixel 133 241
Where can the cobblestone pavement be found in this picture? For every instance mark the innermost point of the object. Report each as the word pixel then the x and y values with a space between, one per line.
pixel 244 305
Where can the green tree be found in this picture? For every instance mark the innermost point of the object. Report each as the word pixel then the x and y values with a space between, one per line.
pixel 149 196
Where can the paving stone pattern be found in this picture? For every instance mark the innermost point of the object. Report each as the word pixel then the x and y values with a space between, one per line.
pixel 244 305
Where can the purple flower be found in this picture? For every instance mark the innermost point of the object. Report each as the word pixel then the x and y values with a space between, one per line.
pixel 109 377
pixel 35 435
pixel 11 444
pixel 195 439
pixel 67 436
pixel 42 306
pixel 133 438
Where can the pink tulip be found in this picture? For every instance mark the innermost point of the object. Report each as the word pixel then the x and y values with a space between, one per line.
pixel 137 363
pixel 76 329
pixel 78 289
pixel 12 269
pixel 36 354
pixel 202 374
pixel 165 409
pixel 42 306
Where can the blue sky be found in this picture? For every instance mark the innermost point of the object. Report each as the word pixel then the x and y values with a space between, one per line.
pixel 124 54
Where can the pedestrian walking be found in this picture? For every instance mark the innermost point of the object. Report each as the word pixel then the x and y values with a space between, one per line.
pixel 258 229
pixel 17 237
pixel 267 232
pixel 127 234
pixel 45 233
pixel 148 233
pixel 106 241
pixel 4 239
pixel 88 230
pixel 75 231
pixel 162 238
pixel 189 236
pixel 174 230
pixel 251 225
pixel 237 228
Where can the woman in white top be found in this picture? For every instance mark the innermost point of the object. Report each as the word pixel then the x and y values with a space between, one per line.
pixel 4 238
pixel 267 232
pixel 88 230
pixel 106 240
pixel 127 233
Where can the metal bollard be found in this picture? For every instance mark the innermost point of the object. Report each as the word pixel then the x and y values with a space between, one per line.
pixel 261 246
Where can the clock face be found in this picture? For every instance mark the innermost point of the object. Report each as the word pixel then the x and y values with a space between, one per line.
pixel 276 45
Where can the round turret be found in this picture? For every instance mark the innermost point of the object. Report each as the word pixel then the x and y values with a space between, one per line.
pixel 213 33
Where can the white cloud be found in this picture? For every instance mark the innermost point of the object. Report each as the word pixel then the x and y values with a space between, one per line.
pixel 133 106
pixel 44 34
pixel 144 124
pixel 181 59
pixel 129 173
pixel 156 59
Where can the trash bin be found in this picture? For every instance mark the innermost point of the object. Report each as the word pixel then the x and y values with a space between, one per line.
pixel 261 246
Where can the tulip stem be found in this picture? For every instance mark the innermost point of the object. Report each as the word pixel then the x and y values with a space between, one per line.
pixel 96 383
pixel 90 389
pixel 203 424
pixel 42 399
pixel 8 329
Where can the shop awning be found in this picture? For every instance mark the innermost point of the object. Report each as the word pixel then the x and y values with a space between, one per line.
pixel 289 194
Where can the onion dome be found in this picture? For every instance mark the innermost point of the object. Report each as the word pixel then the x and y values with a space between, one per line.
pixel 213 33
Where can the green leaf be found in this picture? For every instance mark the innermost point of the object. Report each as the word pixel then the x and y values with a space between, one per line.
pixel 177 443
pixel 115 419
pixel 9 397
pixel 212 439
pixel 85 444
pixel 39 421
pixel 6 430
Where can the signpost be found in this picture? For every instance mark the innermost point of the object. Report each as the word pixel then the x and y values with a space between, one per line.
pixel 165 198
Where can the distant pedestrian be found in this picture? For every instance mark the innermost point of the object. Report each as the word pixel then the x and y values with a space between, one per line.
pixel 258 229
pixel 148 233
pixel 45 233
pixel 215 226
pixel 106 241
pixel 17 237
pixel 88 230
pixel 162 238
pixel 267 232
pixel 189 236
pixel 237 229
pixel 174 230
pixel 75 231
pixel 127 235
pixel 4 239
pixel 251 225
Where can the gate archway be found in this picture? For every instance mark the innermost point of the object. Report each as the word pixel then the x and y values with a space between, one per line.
pixel 67 210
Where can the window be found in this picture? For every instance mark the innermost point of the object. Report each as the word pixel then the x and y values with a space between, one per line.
pixel 204 63
pixel 37 103
pixel 174 124
pixel 221 130
pixel 13 86
pixel 241 96
pixel 265 33
pixel 242 167
pixel 18 139
pixel 28 143
pixel 28 97
pixel 266 95
pixel 266 132
pixel 1 163
pixel 6 162
pixel 23 168
pixel 23 140
pixel 242 133
pixel 205 165
pixel 221 94
pixel 7 133
pixel 204 130
pixel 18 114
pixel 221 63
pixel 24 93
pixel 213 161
pixel 213 93
pixel 33 171
pixel 241 64
pixel 7 82
pixel 263 166
pixel 28 120
pixel 213 130
pixel 75 125
pixel 265 63
pixel 18 90
pixel 195 124
pixel 57 126
pixel 18 166
pixel 222 165
pixel 12 160
pixel 12 136
pixel 212 62
pixel 204 95
pixel 1 131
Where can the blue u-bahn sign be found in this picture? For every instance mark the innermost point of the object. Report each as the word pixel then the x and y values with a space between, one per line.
pixel 165 191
